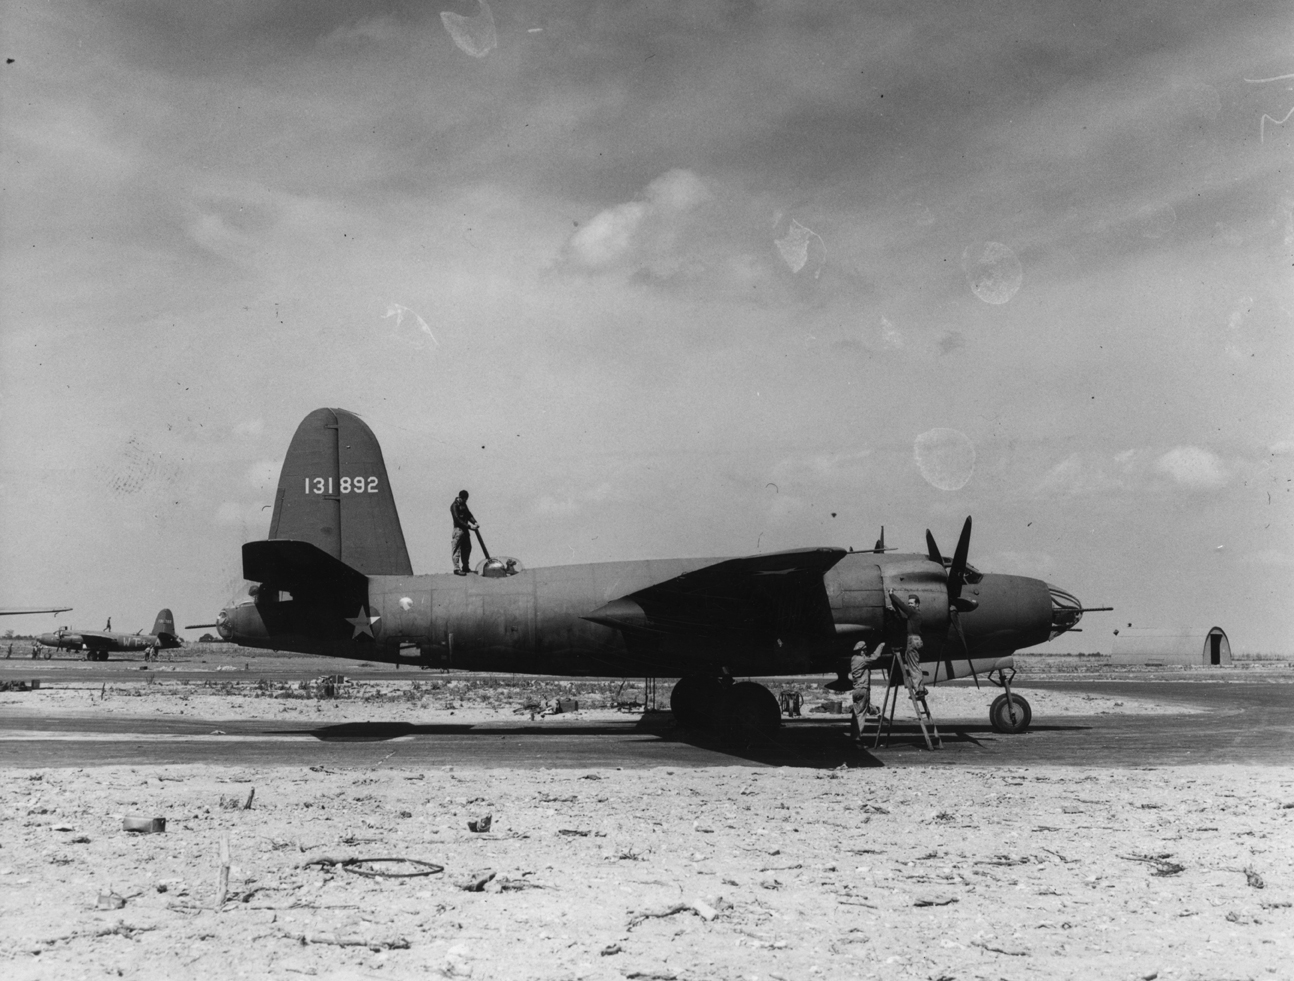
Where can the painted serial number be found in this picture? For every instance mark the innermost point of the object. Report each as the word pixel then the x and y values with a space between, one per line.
pixel 349 485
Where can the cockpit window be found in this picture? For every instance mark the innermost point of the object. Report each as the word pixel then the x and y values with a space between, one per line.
pixel 499 567
pixel 973 575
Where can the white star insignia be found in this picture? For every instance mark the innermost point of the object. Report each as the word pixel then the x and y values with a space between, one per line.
pixel 363 624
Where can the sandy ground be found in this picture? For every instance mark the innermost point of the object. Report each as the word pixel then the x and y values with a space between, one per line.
pixel 483 700
pixel 728 872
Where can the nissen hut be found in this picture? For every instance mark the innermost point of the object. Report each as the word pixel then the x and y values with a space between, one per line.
pixel 1160 646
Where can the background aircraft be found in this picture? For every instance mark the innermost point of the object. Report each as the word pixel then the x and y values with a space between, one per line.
pixel 99 643
pixel 334 578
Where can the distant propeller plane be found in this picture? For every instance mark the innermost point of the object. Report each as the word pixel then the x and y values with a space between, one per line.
pixel 334 578
pixel 99 643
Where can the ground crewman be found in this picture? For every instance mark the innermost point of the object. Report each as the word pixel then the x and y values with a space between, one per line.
pixel 461 540
pixel 860 675
pixel 911 612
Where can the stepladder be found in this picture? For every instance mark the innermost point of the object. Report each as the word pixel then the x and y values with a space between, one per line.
pixel 898 680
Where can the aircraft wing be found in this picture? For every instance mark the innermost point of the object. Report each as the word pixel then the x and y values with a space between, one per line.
pixel 98 641
pixel 11 611
pixel 760 596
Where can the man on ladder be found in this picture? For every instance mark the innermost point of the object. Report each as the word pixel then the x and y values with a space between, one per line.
pixel 911 612
pixel 913 678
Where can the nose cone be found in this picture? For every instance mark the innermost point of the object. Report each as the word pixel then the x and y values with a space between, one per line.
pixel 1013 612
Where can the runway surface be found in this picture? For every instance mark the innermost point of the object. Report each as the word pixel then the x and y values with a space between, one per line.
pixel 1245 723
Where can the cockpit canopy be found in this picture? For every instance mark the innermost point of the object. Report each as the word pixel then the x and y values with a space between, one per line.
pixel 973 575
pixel 498 567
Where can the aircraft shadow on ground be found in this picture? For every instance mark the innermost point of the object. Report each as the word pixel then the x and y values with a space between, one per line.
pixel 808 744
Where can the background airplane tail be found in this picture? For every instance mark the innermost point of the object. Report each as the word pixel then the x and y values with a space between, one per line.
pixel 334 494
pixel 164 629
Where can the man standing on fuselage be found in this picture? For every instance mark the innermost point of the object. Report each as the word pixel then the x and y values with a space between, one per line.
pixel 461 541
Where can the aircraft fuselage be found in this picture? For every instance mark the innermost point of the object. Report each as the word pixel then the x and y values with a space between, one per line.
pixel 535 621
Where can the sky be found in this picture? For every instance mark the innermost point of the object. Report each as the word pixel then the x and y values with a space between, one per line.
pixel 656 279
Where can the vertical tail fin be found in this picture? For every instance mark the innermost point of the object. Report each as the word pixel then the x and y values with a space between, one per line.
pixel 334 493
pixel 164 624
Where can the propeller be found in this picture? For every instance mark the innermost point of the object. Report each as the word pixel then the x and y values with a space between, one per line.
pixel 957 570
pixel 957 603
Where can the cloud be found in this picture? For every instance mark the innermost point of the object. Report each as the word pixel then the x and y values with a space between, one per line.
pixel 250 428
pixel 1139 471
pixel 649 233
pixel 1193 467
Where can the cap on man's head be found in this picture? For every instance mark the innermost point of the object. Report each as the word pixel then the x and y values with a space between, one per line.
pixel 463 494
pixel 914 597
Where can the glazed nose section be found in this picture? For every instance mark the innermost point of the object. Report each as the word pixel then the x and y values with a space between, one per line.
pixel 222 625
pixel 1066 610
pixel 241 622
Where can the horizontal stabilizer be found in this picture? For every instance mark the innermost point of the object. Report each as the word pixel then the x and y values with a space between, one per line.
pixel 301 568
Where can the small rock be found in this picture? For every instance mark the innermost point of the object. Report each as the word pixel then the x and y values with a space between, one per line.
pixel 481 824
pixel 477 881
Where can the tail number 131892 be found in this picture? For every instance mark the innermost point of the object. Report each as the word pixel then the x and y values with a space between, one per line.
pixel 349 485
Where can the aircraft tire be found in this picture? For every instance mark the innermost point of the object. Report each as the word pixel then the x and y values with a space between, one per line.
pixel 999 715
pixel 748 710
pixel 693 701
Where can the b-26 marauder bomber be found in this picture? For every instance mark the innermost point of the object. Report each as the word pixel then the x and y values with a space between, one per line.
pixel 334 578
pixel 98 644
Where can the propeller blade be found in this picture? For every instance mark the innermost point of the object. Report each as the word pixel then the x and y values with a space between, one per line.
pixel 957 622
pixel 932 549
pixel 957 574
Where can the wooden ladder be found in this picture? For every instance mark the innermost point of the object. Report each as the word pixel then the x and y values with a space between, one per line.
pixel 895 679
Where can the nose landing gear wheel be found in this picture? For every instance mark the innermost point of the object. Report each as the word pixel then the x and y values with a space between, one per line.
pixel 1000 712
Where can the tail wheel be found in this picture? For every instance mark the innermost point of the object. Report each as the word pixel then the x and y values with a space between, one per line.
pixel 999 714
pixel 748 710
pixel 693 701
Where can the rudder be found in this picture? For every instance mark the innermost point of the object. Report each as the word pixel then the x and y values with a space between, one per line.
pixel 334 494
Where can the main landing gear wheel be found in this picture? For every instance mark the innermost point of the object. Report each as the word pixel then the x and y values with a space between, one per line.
pixel 999 714
pixel 694 700
pixel 748 710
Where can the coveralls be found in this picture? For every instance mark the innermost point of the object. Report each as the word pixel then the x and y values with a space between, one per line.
pixel 911 612
pixel 861 675
pixel 461 540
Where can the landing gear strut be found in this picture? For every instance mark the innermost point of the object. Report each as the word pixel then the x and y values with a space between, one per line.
pixel 1009 713
pixel 739 711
